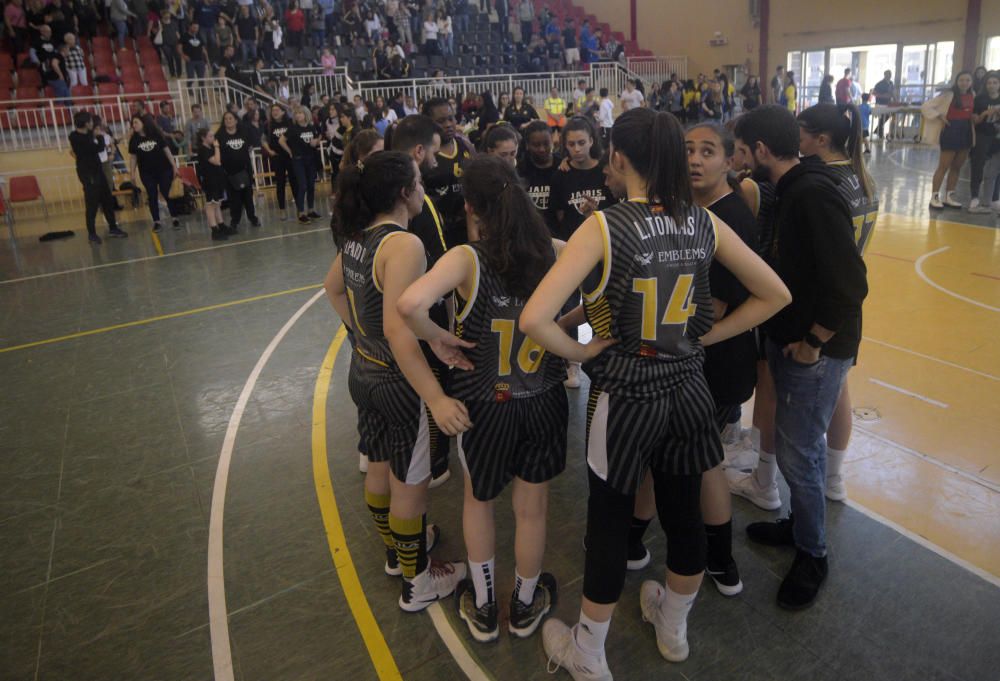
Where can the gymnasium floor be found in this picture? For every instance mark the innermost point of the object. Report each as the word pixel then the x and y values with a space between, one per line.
pixel 168 417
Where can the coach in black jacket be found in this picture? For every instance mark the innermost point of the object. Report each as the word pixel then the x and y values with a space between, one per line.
pixel 813 342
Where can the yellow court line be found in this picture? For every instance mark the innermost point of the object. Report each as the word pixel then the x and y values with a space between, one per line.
pixel 156 243
pixel 378 649
pixel 160 318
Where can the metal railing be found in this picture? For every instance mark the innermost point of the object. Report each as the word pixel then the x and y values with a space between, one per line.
pixel 298 78
pixel 658 69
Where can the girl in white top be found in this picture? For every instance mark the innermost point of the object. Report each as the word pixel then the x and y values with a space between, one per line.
pixel 430 35
pixel 444 32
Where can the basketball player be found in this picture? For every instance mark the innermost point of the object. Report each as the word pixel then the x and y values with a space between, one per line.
pixel 390 381
pixel 514 396
pixel 643 265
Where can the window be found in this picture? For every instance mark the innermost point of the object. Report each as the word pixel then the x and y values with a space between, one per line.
pixel 992 57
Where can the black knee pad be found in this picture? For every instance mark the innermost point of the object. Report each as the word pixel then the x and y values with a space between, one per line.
pixel 609 515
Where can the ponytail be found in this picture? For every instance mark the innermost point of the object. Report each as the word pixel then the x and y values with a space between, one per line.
pixel 369 188
pixel 654 145
pixel 515 241
pixel 842 123
pixel 855 150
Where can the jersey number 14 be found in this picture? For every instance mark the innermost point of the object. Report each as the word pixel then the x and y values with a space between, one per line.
pixel 679 305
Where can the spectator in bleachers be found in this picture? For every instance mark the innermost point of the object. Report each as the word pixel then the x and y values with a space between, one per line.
pixel 328 61
pixel 520 112
pixel 351 25
pixel 150 154
pixel 247 34
pixel 460 15
pixel 631 98
pixel 87 18
pixel 168 32
pixel 317 26
pixel 16 25
pixel 398 68
pixel 43 47
pixel 120 14
pixel 164 118
pixel 373 26
pixel 196 122
pixel 140 21
pixel 76 66
pixel 503 101
pixel 56 77
pixel 400 14
pixel 590 46
pixel 430 34
pixel 410 107
pixel 526 15
pixel 570 45
pixel 613 49
pixel 493 15
pixel 228 66
pixel 193 52
pixel 205 14
pixel 295 25
pixel 446 36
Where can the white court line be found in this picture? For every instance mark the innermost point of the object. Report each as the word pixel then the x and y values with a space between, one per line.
pixel 458 651
pixel 971 477
pixel 161 257
pixel 926 543
pixel 218 616
pixel 919 265
pixel 909 393
pixel 932 358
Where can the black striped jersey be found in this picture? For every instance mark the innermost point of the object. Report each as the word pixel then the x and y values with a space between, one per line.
pixel 364 293
pixel 762 207
pixel 508 364
pixel 864 211
pixel 651 293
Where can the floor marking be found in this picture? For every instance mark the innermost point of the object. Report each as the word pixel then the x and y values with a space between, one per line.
pixel 156 244
pixel 910 393
pixel 926 543
pixel 920 272
pixel 988 276
pixel 378 649
pixel 932 358
pixel 891 257
pixel 925 221
pixel 159 257
pixel 971 477
pixel 456 646
pixel 218 616
pixel 160 318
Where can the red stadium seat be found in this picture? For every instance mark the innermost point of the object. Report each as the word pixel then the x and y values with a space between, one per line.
pixel 158 86
pixel 144 41
pixel 127 56
pixel 81 91
pixel 189 177
pixel 27 92
pixel 154 72
pixel 29 77
pixel 107 88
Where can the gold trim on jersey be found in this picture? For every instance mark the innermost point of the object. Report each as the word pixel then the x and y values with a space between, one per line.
pixel 599 316
pixel 380 224
pixel 467 308
pixel 755 208
pixel 378 286
pixel 458 148
pixel 606 271
pixel 437 221
pixel 841 162
pixel 370 358
pixel 715 230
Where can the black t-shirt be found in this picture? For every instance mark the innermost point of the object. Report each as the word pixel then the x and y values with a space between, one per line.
pixel 193 47
pixel 569 38
pixel 731 366
pixel 86 147
pixel 150 153
pixel 50 73
pixel 568 192
pixel 982 103
pixel 444 186
pixel 44 49
pixel 519 116
pixel 275 130
pixel 208 172
pixel 247 26
pixel 235 150
pixel 538 184
pixel 299 139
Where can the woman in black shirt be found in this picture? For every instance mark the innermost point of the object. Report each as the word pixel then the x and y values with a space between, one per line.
pixel 751 93
pixel 300 142
pixel 538 166
pixel 213 181
pixel 278 159
pixel 234 145
pixel 519 113
pixel 150 153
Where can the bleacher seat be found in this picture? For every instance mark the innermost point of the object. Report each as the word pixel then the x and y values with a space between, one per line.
pixel 29 77
pixel 107 88
pixel 24 189
pixel 27 92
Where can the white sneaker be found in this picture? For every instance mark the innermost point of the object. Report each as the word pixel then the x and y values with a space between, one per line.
pixel 732 434
pixel 439 480
pixel 563 651
pixel 745 485
pixel 835 488
pixel 572 375
pixel 950 201
pixel 740 456
pixel 392 567
pixel 976 207
pixel 936 201
pixel 672 641
pixel 436 582
pixel 363 463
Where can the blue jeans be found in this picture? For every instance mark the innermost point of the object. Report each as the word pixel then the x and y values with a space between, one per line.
pixel 121 28
pixel 248 51
pixel 304 172
pixel 196 70
pixel 61 88
pixel 806 397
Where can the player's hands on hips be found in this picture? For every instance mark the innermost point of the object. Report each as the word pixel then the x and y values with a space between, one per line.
pixel 596 346
pixel 451 415
pixel 448 348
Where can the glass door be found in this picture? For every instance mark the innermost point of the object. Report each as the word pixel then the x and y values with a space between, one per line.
pixel 992 57
pixel 913 77
pixel 813 70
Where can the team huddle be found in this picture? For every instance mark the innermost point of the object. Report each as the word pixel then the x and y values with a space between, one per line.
pixel 712 263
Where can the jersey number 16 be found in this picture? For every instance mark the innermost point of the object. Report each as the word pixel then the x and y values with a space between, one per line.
pixel 529 357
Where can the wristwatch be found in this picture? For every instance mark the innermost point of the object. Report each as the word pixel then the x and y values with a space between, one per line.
pixel 813 341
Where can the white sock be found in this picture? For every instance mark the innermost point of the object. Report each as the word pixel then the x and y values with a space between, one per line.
pixel 590 635
pixel 525 587
pixel 767 470
pixel 482 580
pixel 675 609
pixel 834 459
pixel 755 438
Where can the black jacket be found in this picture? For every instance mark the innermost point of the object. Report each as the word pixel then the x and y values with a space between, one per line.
pixel 815 255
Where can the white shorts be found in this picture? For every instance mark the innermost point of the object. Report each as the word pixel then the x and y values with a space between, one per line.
pixel 572 55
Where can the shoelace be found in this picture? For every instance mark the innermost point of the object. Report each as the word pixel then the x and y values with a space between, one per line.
pixel 557 656
pixel 440 569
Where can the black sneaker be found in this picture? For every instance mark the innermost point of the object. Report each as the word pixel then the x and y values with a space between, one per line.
pixel 231 229
pixel 801 585
pixel 94 239
pixel 218 234
pixel 726 578
pixel 524 619
pixel 778 533
pixel 304 219
pixel 254 222
pixel 483 622
pixel 313 215
pixel 117 233
pixel 156 226
pixel 176 223
pixel 638 557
